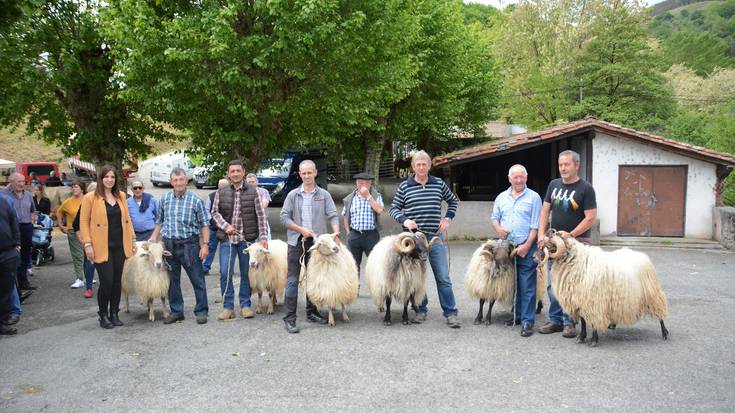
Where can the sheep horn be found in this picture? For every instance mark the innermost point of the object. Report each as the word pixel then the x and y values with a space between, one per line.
pixel 514 252
pixel 561 248
pixel 487 254
pixel 404 244
pixel 434 241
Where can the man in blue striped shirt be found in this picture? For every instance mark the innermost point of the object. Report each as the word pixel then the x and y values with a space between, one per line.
pixel 515 218
pixel 181 217
pixel 417 206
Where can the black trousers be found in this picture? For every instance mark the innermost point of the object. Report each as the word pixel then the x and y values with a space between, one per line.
pixel 110 275
pixel 361 242
pixel 292 285
pixel 26 243
pixel 8 267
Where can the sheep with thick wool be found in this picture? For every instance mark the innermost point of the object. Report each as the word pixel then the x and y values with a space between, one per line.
pixel 396 269
pixel 331 277
pixel 268 271
pixel 145 275
pixel 491 276
pixel 604 288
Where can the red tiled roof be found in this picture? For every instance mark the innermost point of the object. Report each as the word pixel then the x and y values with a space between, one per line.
pixel 521 140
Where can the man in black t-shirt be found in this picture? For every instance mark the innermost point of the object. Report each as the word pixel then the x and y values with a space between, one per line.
pixel 573 207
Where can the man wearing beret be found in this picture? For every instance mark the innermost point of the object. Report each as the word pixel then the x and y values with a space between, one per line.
pixel 360 214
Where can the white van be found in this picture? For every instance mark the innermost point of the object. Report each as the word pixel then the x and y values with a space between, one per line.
pixel 162 166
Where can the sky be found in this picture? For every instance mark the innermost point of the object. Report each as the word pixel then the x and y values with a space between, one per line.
pixel 503 3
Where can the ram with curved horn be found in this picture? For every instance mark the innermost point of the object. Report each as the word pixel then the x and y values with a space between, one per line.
pixel 604 287
pixel 491 276
pixel 396 270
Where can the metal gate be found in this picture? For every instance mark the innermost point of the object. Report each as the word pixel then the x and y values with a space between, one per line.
pixel 651 200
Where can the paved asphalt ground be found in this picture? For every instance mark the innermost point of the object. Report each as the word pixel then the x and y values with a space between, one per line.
pixel 62 361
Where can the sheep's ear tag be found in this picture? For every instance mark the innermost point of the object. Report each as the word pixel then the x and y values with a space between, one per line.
pixel 166 253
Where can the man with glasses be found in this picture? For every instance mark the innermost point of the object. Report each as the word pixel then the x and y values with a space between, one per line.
pixel 143 209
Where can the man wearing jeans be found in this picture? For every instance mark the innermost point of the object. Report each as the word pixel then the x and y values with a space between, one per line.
pixel 239 216
pixel 515 218
pixel 9 255
pixel 305 214
pixel 417 206
pixel 26 210
pixel 571 202
pixel 181 217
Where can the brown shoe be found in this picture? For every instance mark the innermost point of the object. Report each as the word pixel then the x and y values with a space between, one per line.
pixel 226 314
pixel 246 312
pixel 569 332
pixel 550 327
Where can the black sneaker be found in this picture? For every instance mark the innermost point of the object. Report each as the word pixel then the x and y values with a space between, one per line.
pixel 201 318
pixel 291 327
pixel 316 318
pixel 527 330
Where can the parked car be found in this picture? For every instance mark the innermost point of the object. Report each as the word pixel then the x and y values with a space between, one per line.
pixel 206 176
pixel 280 175
pixel 42 170
pixel 6 168
pixel 163 165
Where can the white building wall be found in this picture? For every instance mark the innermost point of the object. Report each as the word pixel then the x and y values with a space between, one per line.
pixel 608 152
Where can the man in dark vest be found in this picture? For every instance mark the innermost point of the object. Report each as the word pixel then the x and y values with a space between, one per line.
pixel 241 221
pixel 360 214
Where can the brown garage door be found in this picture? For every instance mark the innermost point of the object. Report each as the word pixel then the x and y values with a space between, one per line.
pixel 651 200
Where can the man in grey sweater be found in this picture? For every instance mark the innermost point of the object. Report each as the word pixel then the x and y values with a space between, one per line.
pixel 306 213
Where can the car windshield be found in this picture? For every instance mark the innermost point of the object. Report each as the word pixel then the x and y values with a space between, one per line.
pixel 275 168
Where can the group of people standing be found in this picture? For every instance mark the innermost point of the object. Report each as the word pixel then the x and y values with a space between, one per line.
pixel 235 216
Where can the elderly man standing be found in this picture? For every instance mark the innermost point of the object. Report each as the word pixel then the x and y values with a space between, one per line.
pixel 572 204
pixel 143 208
pixel 305 214
pixel 360 214
pixel 239 215
pixel 515 218
pixel 26 210
pixel 181 217
pixel 417 206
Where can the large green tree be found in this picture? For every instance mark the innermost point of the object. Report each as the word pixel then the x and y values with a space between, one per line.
pixel 57 77
pixel 620 72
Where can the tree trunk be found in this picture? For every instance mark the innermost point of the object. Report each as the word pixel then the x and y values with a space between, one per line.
pixel 373 152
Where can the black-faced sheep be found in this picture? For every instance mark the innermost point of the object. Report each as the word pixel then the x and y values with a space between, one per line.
pixel 267 271
pixel 331 277
pixel 604 288
pixel 491 276
pixel 396 269
pixel 145 275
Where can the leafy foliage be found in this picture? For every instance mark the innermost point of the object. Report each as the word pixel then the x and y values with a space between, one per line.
pixel 57 75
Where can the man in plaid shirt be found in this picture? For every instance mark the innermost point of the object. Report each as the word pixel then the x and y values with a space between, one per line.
pixel 360 214
pixel 181 218
pixel 238 212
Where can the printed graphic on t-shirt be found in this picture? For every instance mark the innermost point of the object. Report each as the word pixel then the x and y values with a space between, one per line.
pixel 564 198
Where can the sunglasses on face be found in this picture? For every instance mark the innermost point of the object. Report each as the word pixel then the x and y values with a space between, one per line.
pixel 137 187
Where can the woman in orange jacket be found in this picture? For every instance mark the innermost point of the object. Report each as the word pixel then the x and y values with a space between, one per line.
pixel 108 239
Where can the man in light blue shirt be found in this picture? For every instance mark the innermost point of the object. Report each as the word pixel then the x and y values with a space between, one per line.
pixel 143 209
pixel 515 218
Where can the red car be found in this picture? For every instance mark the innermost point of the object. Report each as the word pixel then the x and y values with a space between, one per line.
pixel 42 170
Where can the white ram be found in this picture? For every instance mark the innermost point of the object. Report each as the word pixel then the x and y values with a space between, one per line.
pixel 331 276
pixel 145 275
pixel 604 288
pixel 396 269
pixel 491 276
pixel 268 271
